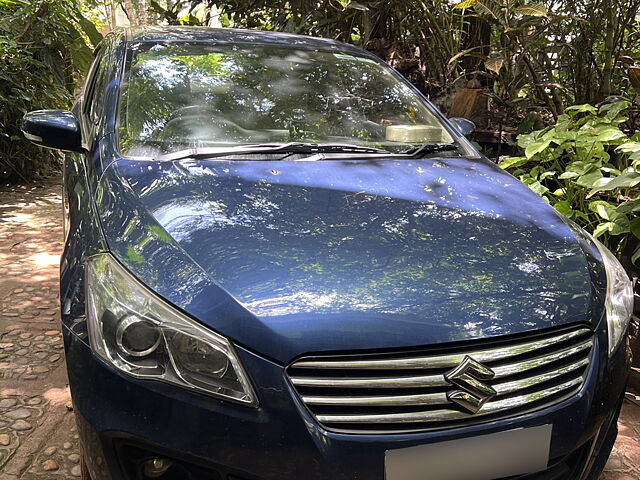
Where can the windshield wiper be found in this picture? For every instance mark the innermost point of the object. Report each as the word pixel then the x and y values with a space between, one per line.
pixel 426 148
pixel 267 148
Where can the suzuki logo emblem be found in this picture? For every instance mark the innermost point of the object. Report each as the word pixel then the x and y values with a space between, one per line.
pixel 468 376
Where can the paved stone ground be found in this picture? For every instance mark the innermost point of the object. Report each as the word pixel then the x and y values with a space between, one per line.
pixel 38 439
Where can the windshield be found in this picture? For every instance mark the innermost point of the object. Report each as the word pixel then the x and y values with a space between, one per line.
pixel 185 95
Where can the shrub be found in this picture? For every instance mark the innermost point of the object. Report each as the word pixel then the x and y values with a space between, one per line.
pixel 43 48
pixel 589 170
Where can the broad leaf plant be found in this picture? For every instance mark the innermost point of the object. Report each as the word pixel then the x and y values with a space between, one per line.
pixel 588 169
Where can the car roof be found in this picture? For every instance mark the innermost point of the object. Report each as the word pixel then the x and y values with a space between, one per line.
pixel 158 34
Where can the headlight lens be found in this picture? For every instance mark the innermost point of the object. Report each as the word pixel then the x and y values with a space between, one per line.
pixel 139 334
pixel 619 301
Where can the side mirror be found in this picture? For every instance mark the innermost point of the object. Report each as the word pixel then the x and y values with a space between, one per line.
pixel 464 126
pixel 57 129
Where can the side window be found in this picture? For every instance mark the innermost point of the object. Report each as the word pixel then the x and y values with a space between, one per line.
pixel 95 88
pixel 90 79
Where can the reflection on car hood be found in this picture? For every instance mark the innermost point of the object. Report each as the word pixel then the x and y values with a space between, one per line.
pixel 289 258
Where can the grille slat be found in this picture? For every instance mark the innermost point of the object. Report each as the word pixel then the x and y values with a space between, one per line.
pixel 440 361
pixel 512 369
pixel 433 380
pixel 448 415
pixel 516 385
pixel 394 400
pixel 369 382
pixel 440 398
pixel 356 393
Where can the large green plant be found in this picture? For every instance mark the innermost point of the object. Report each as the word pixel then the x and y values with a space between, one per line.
pixel 43 49
pixel 589 170
pixel 520 29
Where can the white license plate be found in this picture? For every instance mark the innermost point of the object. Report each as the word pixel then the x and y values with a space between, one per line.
pixel 487 457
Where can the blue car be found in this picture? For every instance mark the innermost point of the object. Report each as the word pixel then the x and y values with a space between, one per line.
pixel 282 262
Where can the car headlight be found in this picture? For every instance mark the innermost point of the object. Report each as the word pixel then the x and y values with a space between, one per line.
pixel 135 331
pixel 619 301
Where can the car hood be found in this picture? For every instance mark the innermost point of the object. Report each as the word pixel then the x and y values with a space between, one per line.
pixel 288 258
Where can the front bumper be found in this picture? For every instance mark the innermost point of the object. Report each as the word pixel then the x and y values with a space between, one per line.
pixel 123 420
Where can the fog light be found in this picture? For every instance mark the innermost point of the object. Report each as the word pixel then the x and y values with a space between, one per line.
pixel 156 467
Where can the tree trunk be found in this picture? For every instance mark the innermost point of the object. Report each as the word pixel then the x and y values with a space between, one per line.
pixel 112 10
pixel 555 94
pixel 107 14
pixel 476 37
pixel 375 24
pixel 142 12
pixel 610 31
pixel 131 14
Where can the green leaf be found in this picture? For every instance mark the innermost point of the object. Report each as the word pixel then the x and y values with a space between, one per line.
pixel 465 4
pixel 635 226
pixel 536 147
pixel 564 207
pixel 532 10
pixel 526 138
pixel 489 8
pixel 513 162
pixel 602 228
pixel 601 208
pixel 621 226
pixel 566 135
pixel 609 134
pixel 611 227
pixel 567 175
pixel 629 206
pixel 629 147
pixel 613 172
pixel 90 30
pixel 612 110
pixel 618 223
pixel 564 122
pixel 626 180
pixel 588 179
pixel 586 108
pixel 538 188
pixel 636 256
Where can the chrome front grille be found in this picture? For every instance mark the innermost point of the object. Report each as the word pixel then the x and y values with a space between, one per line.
pixel 408 391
